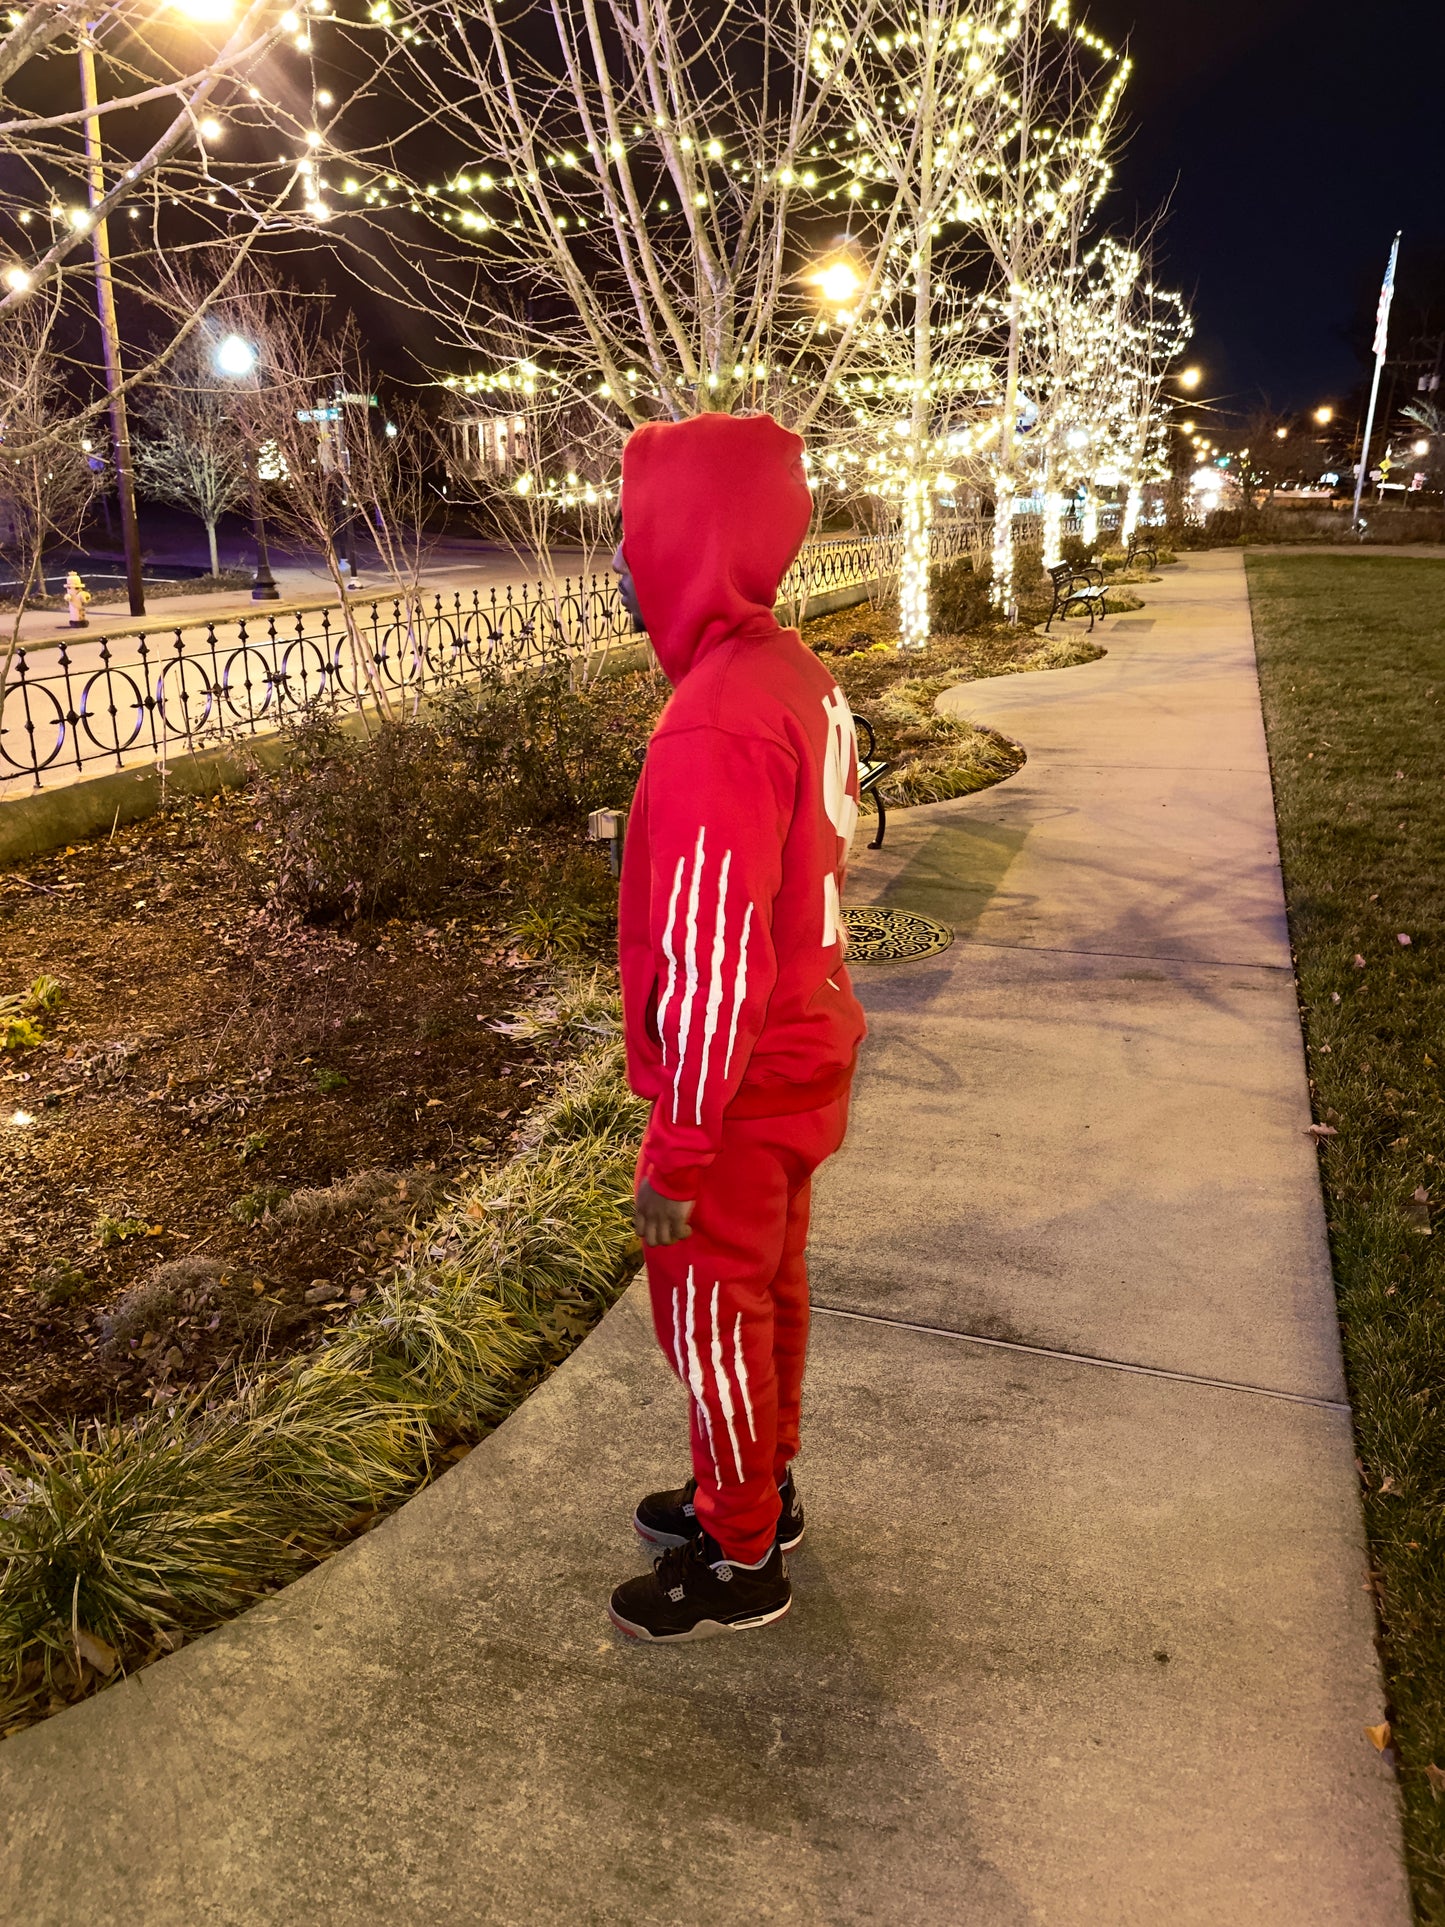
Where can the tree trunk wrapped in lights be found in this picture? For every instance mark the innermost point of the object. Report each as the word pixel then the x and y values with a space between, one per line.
pixel 914 90
pixel 1051 125
pixel 1053 523
pixel 1089 517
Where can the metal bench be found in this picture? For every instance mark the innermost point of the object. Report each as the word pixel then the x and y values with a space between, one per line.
pixel 1142 552
pixel 872 768
pixel 1077 588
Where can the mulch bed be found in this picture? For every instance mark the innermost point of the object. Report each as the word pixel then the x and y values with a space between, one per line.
pixel 205 1062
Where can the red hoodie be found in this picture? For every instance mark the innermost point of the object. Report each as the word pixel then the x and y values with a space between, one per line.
pixel 733 986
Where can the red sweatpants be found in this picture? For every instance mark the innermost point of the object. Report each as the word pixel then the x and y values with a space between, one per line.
pixel 730 1307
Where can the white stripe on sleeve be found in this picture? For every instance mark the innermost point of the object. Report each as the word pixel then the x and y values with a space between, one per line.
pixel 740 990
pixel 684 1021
pixel 715 981
pixel 670 954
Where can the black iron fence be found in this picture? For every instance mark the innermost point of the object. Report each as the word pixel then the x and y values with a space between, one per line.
pixel 152 694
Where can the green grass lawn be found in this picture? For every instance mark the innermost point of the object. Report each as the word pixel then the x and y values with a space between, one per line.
pixel 1352 663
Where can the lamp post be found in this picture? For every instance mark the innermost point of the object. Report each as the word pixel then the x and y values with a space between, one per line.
pixel 109 331
pixel 237 358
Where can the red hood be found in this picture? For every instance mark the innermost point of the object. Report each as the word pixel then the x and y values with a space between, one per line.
pixel 713 512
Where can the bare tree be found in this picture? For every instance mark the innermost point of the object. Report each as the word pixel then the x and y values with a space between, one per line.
pixel 536 465
pixel 911 90
pixel 1050 125
pixel 649 182
pixel 307 430
pixel 1157 330
pixel 174 130
pixel 192 454
pixel 47 478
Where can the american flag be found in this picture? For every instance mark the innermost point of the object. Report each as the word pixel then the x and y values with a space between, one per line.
pixel 1382 313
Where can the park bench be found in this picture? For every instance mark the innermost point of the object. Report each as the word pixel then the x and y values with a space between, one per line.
pixel 1077 588
pixel 872 768
pixel 1144 552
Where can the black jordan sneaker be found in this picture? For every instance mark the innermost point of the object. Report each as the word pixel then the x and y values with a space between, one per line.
pixel 693 1592
pixel 669 1518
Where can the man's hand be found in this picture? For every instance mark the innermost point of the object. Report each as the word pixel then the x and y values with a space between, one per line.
pixel 658 1220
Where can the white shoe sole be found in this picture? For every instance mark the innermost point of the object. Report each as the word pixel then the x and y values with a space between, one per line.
pixel 704 1629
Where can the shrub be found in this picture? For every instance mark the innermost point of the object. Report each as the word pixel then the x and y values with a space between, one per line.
pixel 382 1197
pixel 971 759
pixel 958 597
pixel 354 827
pixel 18 1028
pixel 118 1537
pixel 254 1206
pixel 1028 567
pixel 349 827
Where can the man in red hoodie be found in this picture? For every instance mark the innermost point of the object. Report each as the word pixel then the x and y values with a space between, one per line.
pixel 741 1025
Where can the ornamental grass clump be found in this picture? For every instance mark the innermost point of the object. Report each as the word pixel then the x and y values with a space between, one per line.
pixel 118 1540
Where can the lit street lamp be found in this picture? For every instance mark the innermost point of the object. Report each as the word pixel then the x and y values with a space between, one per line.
pixel 237 358
pixel 1189 378
pixel 202 12
pixel 838 282
pixel 1324 416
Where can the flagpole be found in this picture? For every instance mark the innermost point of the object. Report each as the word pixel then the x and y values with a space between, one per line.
pixel 1381 326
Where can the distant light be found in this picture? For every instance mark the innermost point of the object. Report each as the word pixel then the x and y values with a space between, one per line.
pixel 17 280
pixel 391 430
pixel 838 282
pixel 1190 377
pixel 323 99
pixel 79 219
pixel 1281 434
pixel 1324 416
pixel 236 356
pixel 1421 447
pixel 210 130
pixel 1188 427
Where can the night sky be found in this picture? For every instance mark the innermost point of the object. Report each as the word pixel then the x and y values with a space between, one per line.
pixel 1291 140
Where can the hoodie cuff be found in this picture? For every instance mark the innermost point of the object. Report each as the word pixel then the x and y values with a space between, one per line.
pixel 681 1185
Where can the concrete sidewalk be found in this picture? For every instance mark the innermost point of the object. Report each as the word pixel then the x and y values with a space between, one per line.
pixel 1081 1633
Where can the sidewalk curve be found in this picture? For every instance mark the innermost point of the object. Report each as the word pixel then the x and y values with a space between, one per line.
pixel 1080 1633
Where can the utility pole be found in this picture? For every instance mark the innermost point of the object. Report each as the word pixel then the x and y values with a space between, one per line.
pixel 109 331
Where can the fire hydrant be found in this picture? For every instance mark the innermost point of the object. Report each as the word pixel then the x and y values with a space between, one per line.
pixel 77 596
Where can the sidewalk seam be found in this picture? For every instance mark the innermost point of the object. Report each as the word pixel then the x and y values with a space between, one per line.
pixel 1088 1358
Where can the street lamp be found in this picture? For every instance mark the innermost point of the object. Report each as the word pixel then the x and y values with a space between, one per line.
pixel 1324 416
pixel 1189 377
pixel 838 283
pixel 237 358
pixel 202 12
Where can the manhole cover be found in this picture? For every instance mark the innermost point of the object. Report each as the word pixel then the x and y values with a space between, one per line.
pixel 893 936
